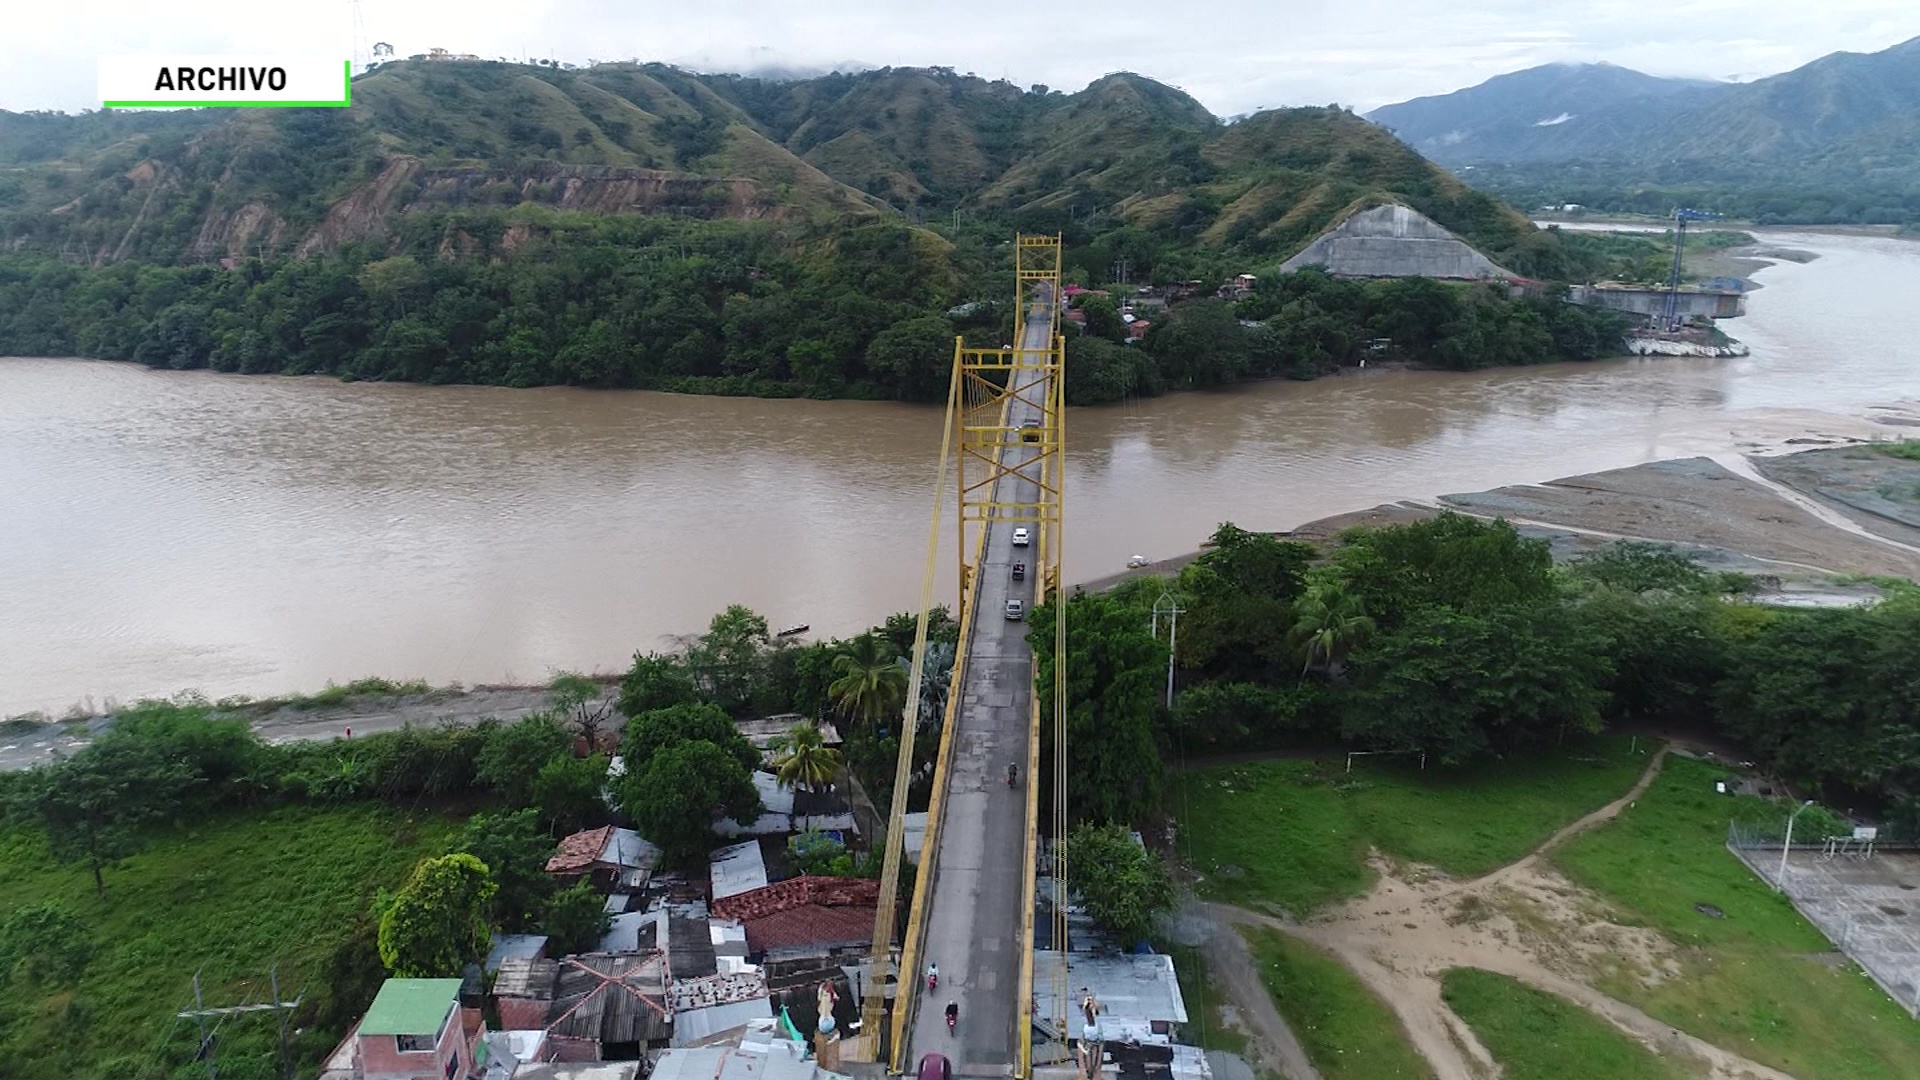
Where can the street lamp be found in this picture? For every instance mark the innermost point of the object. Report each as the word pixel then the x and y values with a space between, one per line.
pixel 1780 879
pixel 1173 609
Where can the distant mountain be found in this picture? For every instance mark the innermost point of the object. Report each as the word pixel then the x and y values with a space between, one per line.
pixel 428 139
pixel 1846 119
pixel 1508 116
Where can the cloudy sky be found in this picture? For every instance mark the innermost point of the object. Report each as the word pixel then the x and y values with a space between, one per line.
pixel 1234 57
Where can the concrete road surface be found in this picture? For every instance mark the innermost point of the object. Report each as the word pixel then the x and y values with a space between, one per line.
pixel 973 917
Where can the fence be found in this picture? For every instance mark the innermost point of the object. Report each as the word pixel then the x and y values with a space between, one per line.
pixel 1855 891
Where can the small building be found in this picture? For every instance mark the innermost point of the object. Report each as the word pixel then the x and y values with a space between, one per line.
pixel 413 1031
pixel 634 932
pixel 737 869
pixel 757 1052
pixel 762 733
pixel 792 809
pixel 514 946
pixel 609 1008
pixel 615 860
pixel 1137 329
pixel 1125 997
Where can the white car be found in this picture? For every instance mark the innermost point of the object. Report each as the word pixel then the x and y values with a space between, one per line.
pixel 1021 537
pixel 1016 610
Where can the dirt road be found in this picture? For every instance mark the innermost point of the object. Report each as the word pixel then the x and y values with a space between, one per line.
pixel 1522 920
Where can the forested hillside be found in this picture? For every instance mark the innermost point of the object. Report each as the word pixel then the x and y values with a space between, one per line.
pixel 638 225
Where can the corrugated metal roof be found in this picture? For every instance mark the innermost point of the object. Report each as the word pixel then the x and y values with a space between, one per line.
pixel 515 946
pixel 411 1007
pixel 693 1025
pixel 737 869
pixel 1133 989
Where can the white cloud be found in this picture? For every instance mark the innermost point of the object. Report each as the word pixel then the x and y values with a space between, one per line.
pixel 1362 53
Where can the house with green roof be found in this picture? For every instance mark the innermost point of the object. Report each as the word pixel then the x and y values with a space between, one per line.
pixel 414 1030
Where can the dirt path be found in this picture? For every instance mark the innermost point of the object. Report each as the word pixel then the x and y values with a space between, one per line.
pixel 1241 997
pixel 1522 920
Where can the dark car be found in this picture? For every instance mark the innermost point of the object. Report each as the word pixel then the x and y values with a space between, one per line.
pixel 1019 571
pixel 935 1067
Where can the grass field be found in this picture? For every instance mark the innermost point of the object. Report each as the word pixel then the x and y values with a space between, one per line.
pixel 1345 1029
pixel 1294 834
pixel 1535 1034
pixel 228 898
pixel 1752 983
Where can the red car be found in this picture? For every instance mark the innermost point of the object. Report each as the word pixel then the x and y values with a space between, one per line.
pixel 935 1067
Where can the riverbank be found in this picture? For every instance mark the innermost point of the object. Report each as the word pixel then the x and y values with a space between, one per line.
pixel 1797 522
pixel 1813 527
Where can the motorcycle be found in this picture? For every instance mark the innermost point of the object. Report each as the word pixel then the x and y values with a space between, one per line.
pixel 933 980
pixel 952 1016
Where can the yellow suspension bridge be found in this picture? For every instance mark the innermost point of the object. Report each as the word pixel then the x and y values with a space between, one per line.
pixel 972 908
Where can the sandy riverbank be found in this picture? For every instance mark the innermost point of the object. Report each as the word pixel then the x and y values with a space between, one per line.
pixel 1843 510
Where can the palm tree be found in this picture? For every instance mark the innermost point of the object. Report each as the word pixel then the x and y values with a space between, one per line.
pixel 870 685
pixel 801 757
pixel 1328 621
pixel 936 675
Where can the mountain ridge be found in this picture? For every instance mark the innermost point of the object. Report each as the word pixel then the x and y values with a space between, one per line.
pixel 429 138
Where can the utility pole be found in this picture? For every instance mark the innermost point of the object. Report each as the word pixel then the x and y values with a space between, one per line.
pixel 200 1013
pixel 1173 609
pixel 1780 880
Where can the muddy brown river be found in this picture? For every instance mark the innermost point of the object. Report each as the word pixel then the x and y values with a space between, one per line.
pixel 167 530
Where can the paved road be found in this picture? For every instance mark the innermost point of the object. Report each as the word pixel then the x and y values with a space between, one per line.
pixel 973 916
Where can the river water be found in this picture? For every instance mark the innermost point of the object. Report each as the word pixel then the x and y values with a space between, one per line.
pixel 243 534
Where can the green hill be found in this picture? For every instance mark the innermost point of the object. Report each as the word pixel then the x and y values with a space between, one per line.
pixel 480 137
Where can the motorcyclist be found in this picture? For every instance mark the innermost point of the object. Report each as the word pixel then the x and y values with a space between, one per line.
pixel 933 976
pixel 953 1014
pixel 1013 773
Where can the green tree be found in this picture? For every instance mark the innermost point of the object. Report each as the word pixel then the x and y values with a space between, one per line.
pixel 868 686
pixel 1199 344
pixel 575 919
pixel 1458 685
pixel 569 792
pixel 802 759
pixel 1103 319
pixel 652 733
pixel 1239 605
pixel 1451 560
pixel 97 807
pixel 1123 886
pixel 674 800
pixel 1636 566
pixel 514 755
pixel 1115 675
pixel 437 922
pixel 514 849
pixel 1327 623
pixel 914 358
pixel 656 682
pixel 729 660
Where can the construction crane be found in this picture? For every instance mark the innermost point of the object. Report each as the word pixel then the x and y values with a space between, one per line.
pixel 1681 216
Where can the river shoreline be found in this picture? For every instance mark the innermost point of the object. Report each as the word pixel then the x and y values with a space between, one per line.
pixel 1810 526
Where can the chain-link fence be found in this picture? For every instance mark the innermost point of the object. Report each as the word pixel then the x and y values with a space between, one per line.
pixel 1861 890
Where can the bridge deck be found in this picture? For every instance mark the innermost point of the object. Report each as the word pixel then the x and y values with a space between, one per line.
pixel 973 917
